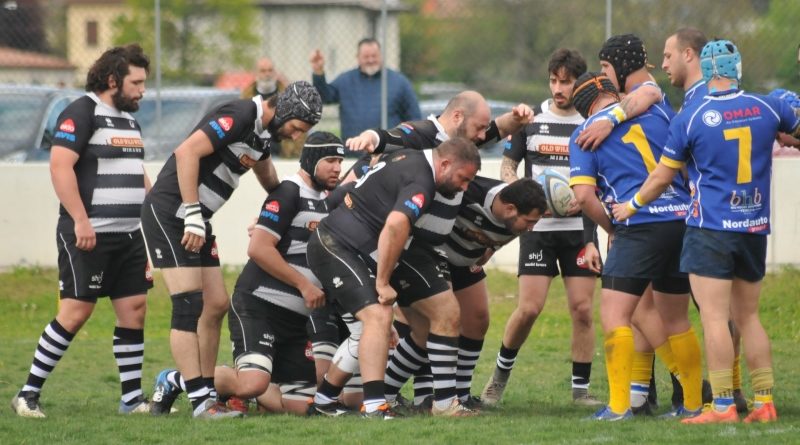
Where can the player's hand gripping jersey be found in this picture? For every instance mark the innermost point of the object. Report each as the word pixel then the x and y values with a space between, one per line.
pixel 402 181
pixel 726 140
pixel 622 163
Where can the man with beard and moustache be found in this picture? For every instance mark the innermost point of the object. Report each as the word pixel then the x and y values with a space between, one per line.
pixel 426 290
pixel 98 176
pixel 355 251
pixel 195 182
pixel 358 91
pixel 556 245
pixel 276 290
pixel 270 82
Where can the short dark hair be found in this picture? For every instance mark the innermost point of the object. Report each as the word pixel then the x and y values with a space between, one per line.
pixel 115 62
pixel 367 41
pixel 569 59
pixel 460 150
pixel 691 38
pixel 526 195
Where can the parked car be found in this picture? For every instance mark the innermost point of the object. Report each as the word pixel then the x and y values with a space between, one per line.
pixel 28 117
pixel 181 111
pixel 435 107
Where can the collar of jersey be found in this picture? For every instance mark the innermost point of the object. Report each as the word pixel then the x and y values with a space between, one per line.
pixel 723 95
pixel 429 157
pixel 259 127
pixel 441 135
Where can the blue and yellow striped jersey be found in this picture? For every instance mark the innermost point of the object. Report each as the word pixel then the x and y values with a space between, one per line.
pixel 726 140
pixel 623 161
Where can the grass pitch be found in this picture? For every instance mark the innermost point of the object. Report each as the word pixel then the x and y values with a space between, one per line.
pixel 81 396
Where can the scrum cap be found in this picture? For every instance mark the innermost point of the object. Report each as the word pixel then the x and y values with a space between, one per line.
pixel 588 88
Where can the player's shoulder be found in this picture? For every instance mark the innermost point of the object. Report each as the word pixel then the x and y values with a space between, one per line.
pixel 82 105
pixel 423 127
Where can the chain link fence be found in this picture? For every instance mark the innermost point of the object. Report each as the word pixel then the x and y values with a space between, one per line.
pixel 207 51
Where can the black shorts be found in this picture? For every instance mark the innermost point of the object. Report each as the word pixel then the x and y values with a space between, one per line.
pixel 725 255
pixel 116 267
pixel 465 276
pixel 347 278
pixel 163 234
pixel 543 253
pixel 264 330
pixel 420 274
pixel 326 326
pixel 645 253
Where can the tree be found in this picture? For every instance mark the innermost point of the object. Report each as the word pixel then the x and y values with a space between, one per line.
pixel 199 38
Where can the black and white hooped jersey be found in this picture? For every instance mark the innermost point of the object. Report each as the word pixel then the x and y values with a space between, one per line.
pixel 239 140
pixel 476 229
pixel 402 181
pixel 437 223
pixel 544 143
pixel 291 214
pixel 109 169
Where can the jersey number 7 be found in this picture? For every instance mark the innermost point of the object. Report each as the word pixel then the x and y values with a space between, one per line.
pixel 744 170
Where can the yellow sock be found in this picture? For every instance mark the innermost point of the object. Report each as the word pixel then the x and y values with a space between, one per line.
pixel 737 372
pixel 642 367
pixel 641 371
pixel 619 356
pixel 722 387
pixel 688 360
pixel 667 356
pixel 763 382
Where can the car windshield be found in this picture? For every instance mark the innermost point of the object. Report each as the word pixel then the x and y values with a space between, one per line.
pixel 20 117
pixel 177 117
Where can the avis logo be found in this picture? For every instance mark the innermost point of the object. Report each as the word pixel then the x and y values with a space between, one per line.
pixel 68 126
pixel 742 200
pixel 536 256
pixel 226 122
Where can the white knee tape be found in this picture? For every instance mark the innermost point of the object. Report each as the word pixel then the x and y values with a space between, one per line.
pixel 346 357
pixel 254 362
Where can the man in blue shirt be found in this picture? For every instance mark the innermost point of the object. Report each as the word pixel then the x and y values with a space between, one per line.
pixel 358 91
pixel 725 141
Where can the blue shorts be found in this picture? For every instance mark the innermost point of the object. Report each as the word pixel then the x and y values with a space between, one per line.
pixel 725 255
pixel 645 253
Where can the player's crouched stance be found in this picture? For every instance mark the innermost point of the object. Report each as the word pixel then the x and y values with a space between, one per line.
pixel 276 291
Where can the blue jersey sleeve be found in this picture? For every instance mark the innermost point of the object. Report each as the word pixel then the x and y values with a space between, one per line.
pixel 582 164
pixel 676 150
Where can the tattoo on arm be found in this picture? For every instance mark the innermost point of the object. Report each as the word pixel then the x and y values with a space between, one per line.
pixel 508 170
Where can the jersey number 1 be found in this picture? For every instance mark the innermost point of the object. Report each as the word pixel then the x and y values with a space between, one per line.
pixel 636 137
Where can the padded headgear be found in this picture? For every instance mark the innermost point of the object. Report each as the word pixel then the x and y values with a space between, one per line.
pixel 626 54
pixel 721 58
pixel 588 88
pixel 300 100
pixel 319 145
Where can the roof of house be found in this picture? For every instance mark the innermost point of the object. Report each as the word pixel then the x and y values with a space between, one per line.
pixel 16 58
pixel 375 5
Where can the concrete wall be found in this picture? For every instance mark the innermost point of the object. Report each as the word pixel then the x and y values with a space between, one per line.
pixel 30 211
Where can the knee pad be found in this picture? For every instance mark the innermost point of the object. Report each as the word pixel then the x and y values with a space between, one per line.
pixel 346 357
pixel 253 361
pixel 186 310
pixel 323 350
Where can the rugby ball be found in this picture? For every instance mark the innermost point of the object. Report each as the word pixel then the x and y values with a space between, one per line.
pixel 556 192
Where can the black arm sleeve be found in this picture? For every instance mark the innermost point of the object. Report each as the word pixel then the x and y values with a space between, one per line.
pixel 589 231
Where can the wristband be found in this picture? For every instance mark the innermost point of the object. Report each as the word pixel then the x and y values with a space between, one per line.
pixel 193 219
pixel 636 202
pixel 616 115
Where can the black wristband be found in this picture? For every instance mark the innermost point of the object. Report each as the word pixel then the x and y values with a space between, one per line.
pixel 589 230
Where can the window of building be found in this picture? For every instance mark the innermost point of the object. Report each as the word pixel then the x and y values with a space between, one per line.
pixel 91 33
